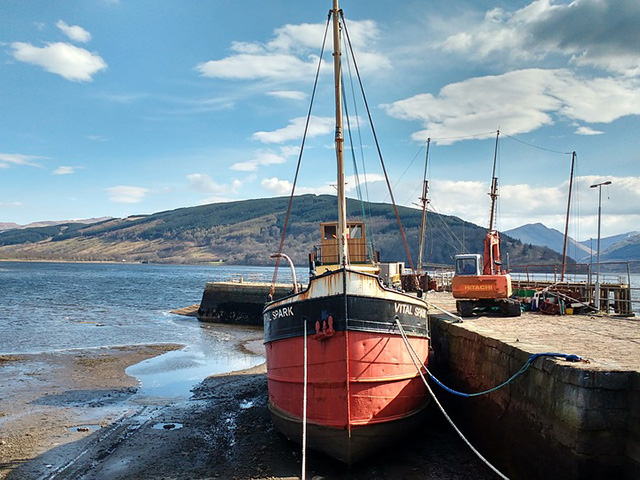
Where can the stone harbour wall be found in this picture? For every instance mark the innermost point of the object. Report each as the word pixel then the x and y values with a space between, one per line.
pixel 557 420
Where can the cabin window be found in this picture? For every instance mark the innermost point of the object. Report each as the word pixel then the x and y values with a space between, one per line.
pixel 355 231
pixel 330 232
pixel 466 266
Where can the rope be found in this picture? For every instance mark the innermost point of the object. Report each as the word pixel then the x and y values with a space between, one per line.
pixel 415 359
pixel 455 317
pixel 412 352
pixel 272 289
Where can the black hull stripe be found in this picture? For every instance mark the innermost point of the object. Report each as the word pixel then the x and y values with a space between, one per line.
pixel 366 314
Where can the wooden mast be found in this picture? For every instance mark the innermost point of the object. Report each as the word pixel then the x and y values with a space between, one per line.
pixel 342 201
pixel 566 224
pixel 425 201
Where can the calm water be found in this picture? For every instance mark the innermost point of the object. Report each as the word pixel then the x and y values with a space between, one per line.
pixel 60 306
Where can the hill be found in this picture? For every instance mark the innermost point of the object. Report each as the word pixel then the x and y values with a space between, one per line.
pixel 4 226
pixel 614 248
pixel 539 234
pixel 247 232
pixel 610 242
pixel 626 249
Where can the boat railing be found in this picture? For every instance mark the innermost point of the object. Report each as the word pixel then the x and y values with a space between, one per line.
pixel 358 254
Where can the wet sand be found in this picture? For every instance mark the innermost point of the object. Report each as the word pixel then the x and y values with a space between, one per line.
pixel 222 431
pixel 51 399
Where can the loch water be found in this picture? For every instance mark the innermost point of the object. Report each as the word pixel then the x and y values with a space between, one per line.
pixel 53 307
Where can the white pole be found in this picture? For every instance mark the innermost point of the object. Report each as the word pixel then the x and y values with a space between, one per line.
pixel 597 293
pixel 598 253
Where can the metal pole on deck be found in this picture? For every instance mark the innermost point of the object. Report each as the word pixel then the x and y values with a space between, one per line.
pixel 597 292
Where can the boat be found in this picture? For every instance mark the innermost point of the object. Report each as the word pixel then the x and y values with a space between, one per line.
pixel 341 378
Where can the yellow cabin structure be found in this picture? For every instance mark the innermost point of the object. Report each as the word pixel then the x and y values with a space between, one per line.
pixel 327 257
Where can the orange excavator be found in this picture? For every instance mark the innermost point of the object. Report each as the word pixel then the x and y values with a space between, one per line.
pixel 480 285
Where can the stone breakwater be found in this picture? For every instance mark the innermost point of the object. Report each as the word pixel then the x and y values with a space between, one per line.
pixel 559 419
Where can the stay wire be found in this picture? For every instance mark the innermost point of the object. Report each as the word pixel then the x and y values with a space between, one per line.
pixel 534 146
pixel 370 229
pixel 375 137
pixel 295 180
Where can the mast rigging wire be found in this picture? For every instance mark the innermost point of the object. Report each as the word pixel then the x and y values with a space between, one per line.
pixel 272 289
pixel 375 137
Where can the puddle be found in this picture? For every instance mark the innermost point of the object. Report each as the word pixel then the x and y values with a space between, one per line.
pixel 174 374
pixel 89 427
pixel 167 426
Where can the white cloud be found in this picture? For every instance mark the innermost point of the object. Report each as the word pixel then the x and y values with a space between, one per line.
pixel 292 54
pixel 97 138
pixel 11 159
pixel 295 130
pixel 597 33
pixel 250 67
pixel 277 186
pixel 262 158
pixel 351 184
pixel 64 170
pixel 74 32
pixel 204 183
pixel 587 131
pixel 524 203
pixel 280 187
pixel 288 94
pixel 519 101
pixel 127 194
pixel 68 61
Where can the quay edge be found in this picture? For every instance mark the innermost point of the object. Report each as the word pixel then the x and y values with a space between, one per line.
pixel 237 303
pixel 557 420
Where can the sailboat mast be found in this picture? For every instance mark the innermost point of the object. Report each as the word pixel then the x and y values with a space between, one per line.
pixel 566 224
pixel 342 201
pixel 425 201
pixel 494 185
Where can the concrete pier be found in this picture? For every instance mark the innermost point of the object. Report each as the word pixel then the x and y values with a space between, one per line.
pixel 559 419
pixel 238 303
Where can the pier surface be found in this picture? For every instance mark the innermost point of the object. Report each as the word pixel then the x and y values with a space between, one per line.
pixel 608 342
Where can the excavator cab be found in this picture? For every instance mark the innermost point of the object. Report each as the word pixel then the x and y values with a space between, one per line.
pixel 468 264
pixel 477 292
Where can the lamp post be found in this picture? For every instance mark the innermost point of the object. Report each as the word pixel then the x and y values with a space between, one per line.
pixel 599 185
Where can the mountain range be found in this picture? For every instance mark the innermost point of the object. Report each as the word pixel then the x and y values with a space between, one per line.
pixel 247 232
pixel 624 247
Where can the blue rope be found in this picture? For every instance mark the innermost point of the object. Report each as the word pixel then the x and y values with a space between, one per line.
pixel 530 360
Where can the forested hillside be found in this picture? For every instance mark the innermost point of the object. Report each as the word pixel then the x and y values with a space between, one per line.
pixel 247 232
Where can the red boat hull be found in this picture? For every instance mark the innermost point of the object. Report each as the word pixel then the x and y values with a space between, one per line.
pixel 363 389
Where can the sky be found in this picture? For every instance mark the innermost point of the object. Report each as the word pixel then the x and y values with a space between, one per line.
pixel 124 107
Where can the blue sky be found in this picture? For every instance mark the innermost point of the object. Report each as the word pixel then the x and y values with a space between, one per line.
pixel 120 107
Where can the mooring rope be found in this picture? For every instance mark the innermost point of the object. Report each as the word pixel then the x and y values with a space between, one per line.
pixel 420 366
pixel 435 399
pixel 304 406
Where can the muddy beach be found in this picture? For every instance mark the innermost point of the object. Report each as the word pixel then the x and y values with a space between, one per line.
pixel 76 414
